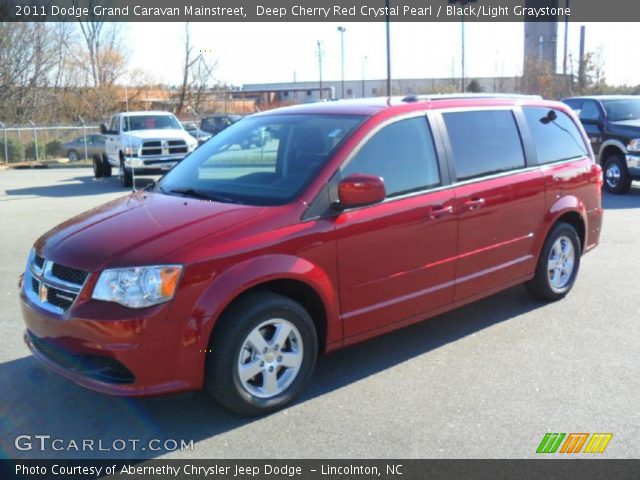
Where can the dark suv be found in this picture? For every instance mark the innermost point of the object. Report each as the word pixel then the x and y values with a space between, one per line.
pixel 214 124
pixel 612 123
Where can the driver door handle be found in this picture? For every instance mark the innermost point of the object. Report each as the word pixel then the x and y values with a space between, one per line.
pixel 439 211
pixel 474 203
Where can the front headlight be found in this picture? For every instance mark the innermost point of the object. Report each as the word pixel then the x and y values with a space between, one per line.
pixel 130 150
pixel 138 287
pixel 192 144
pixel 634 145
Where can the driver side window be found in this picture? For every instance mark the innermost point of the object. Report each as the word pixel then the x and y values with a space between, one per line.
pixel 403 154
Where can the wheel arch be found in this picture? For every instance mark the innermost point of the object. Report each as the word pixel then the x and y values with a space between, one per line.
pixel 609 148
pixel 570 210
pixel 293 277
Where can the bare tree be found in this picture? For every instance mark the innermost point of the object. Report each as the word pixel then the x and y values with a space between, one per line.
pixel 103 60
pixel 25 63
pixel 189 62
pixel 201 77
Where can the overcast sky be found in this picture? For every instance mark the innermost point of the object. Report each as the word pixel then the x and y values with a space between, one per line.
pixel 275 52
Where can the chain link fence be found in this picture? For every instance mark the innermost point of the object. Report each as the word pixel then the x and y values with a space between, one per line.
pixel 20 143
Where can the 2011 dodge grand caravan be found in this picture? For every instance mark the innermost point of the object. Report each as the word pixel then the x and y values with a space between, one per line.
pixel 354 218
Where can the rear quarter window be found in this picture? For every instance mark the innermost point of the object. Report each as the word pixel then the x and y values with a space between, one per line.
pixel 557 140
pixel 484 142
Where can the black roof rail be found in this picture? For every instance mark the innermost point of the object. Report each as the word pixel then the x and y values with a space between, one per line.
pixel 456 96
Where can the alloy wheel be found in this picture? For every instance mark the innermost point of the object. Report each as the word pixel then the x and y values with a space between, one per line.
pixel 270 358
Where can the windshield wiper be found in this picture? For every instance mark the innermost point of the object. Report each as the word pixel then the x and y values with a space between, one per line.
pixel 192 192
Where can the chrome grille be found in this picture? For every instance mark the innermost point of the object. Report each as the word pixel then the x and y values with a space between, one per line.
pixel 163 147
pixel 69 274
pixel 51 285
pixel 39 261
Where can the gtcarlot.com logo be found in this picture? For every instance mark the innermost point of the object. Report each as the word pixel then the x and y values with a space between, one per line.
pixel 46 443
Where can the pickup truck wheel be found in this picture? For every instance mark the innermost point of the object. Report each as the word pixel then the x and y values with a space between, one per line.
pixel 106 172
pixel 558 264
pixel 73 156
pixel 261 354
pixel 616 176
pixel 125 176
pixel 98 171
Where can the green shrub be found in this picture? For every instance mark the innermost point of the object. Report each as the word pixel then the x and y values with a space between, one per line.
pixel 14 148
pixel 30 151
pixel 53 148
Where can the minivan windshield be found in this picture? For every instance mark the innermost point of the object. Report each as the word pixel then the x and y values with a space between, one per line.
pixel 619 110
pixel 150 122
pixel 260 160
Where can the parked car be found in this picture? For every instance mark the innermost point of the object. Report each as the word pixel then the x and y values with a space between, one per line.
pixel 74 150
pixel 142 143
pixel 612 123
pixel 359 217
pixel 214 124
pixel 196 133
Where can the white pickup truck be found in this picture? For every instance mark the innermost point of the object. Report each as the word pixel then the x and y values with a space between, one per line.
pixel 142 143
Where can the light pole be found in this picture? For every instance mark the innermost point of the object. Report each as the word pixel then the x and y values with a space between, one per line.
pixel 388 24
pixel 342 30
pixel 364 61
pixel 319 44
pixel 195 114
pixel 462 61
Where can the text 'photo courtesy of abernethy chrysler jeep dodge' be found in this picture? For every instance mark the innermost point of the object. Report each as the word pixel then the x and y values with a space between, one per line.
pixel 352 218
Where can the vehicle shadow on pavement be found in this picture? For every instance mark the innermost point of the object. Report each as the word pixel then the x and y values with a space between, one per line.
pixel 619 202
pixel 80 186
pixel 42 403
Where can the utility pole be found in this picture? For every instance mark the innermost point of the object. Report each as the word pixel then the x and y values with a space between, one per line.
pixel 388 22
pixel 581 65
pixel 463 63
pixel 342 30
pixel 364 60
pixel 319 43
pixel 566 39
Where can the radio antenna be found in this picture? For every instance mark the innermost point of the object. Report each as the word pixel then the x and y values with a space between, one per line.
pixel 128 124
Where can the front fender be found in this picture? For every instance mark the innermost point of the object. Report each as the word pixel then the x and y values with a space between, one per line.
pixel 231 283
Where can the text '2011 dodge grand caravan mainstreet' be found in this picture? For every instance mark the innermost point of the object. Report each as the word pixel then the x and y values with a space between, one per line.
pixel 352 219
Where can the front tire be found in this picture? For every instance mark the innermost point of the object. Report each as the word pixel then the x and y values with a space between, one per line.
pixel 558 264
pixel 261 354
pixel 73 156
pixel 616 175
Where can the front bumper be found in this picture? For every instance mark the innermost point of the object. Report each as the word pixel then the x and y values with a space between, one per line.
pixel 152 165
pixel 126 353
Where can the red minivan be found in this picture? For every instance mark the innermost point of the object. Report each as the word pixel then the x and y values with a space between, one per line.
pixel 350 219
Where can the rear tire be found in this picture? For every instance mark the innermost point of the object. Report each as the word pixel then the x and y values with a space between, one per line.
pixel 98 171
pixel 616 175
pixel 106 166
pixel 558 264
pixel 262 354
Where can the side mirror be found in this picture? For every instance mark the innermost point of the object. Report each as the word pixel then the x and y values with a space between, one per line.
pixel 593 121
pixel 358 190
pixel 103 129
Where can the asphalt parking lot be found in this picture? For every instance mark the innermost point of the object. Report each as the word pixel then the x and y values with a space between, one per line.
pixel 485 381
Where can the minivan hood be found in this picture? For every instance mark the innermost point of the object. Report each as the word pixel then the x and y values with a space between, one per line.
pixel 140 229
